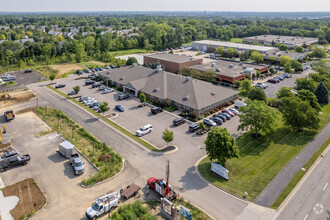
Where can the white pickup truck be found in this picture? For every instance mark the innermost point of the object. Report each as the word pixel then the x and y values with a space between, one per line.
pixel 103 205
pixel 77 164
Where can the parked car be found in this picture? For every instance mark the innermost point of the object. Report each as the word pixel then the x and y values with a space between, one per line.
pixel 72 93
pixel 77 164
pixel 286 75
pixel 107 67
pixel 228 112
pixel 119 108
pixel 79 72
pixel 239 104
pixel 59 86
pixel 105 91
pixel 101 69
pixel 273 80
pixel 8 155
pixel 83 98
pixel 88 71
pixel 209 122
pixel 223 118
pixel 95 103
pixel 101 88
pixel 193 127
pixel 217 120
pixel 261 85
pixel 96 107
pixel 279 78
pixel 14 161
pixel 112 67
pixel 123 96
pixel 179 121
pixel 234 111
pixel 95 85
pixel 156 110
pixel 93 70
pixel 28 71
pixel 228 117
pixel 144 130
pixel 89 82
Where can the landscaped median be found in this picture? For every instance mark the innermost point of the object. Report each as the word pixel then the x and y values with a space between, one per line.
pixel 102 156
pixel 110 122
pixel 262 159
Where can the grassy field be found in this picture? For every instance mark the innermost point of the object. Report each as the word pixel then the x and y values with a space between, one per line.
pixel 236 40
pixel 110 122
pixel 260 160
pixel 127 52
pixel 108 162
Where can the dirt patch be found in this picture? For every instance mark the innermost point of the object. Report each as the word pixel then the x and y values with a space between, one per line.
pixel 2 146
pixel 97 62
pixel 105 158
pixel 31 198
pixel 15 98
pixel 31 109
pixel 65 68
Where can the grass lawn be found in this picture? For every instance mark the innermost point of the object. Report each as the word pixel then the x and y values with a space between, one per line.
pixel 110 122
pixel 10 84
pixel 127 52
pixel 236 40
pixel 108 162
pixel 261 160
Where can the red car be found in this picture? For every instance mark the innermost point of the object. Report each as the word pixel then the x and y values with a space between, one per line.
pixel 273 81
pixel 228 112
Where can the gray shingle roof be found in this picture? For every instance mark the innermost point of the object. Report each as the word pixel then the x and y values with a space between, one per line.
pixel 171 57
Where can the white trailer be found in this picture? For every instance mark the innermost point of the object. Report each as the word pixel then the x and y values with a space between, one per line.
pixel 103 205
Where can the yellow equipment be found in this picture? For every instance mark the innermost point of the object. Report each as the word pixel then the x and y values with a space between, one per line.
pixel 3 130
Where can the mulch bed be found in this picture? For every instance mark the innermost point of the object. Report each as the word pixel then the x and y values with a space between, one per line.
pixel 31 199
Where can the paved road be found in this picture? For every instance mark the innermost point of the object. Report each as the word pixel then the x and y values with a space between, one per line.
pixel 312 200
pixel 183 176
pixel 274 189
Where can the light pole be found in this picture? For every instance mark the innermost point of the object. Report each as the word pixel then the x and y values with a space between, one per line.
pixel 72 132
pixel 58 121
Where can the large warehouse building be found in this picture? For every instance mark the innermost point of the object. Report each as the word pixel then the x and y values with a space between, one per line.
pixel 290 41
pixel 172 62
pixel 231 71
pixel 183 92
pixel 205 45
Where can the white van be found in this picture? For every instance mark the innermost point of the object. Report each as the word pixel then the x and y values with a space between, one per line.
pixel 144 130
pixel 239 104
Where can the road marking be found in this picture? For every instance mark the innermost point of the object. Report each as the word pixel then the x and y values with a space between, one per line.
pixel 306 217
pixel 325 187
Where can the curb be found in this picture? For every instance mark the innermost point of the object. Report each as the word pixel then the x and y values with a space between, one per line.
pixel 96 184
pixel 215 186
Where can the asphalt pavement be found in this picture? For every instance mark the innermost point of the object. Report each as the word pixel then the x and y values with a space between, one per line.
pixel 312 200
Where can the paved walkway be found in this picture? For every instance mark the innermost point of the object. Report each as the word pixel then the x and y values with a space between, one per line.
pixel 275 188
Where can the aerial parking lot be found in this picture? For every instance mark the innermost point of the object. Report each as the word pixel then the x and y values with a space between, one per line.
pixel 135 117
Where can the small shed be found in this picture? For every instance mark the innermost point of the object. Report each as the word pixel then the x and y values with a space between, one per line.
pixel 66 149
pixel 220 170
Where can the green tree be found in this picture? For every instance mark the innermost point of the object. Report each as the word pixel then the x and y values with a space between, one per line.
pixel 143 98
pixel 52 76
pixel 299 114
pixel 131 60
pixel 310 97
pixel 257 93
pixel 168 136
pixel 104 107
pixel 322 93
pixel 283 47
pixel 220 145
pixel 299 49
pixel 76 89
pixel 258 117
pixel 246 85
pixel 284 60
pixel 231 52
pixel 296 65
pixel 271 70
pixel 219 50
pixel 202 125
pixel 318 53
pixel 80 52
pixel 306 83
pixel 272 60
pixel 284 92
pixel 3 37
pixel 21 64
pixel 287 68
pixel 147 45
pixel 257 57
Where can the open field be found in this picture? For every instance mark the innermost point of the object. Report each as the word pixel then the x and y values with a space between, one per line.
pixel 108 162
pixel 261 159
pixel 31 198
pixel 236 40
pixel 15 98
pixel 127 52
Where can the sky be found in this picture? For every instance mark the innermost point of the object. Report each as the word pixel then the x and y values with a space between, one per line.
pixel 164 5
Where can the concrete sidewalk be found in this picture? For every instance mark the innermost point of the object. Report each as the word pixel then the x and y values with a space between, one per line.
pixel 275 188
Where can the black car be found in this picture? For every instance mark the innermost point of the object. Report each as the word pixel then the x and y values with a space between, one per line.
pixel 156 110
pixel 194 127
pixel 217 120
pixel 59 86
pixel 124 96
pixel 95 85
pixel 178 121
pixel 28 71
pixel 18 160
pixel 89 82
pixel 228 117
pixel 223 118
pixel 79 72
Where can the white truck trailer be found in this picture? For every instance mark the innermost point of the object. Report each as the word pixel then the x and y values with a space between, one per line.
pixel 102 205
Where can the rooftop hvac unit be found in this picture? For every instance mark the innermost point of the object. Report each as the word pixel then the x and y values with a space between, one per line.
pixel 231 65
pixel 213 65
pixel 218 70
